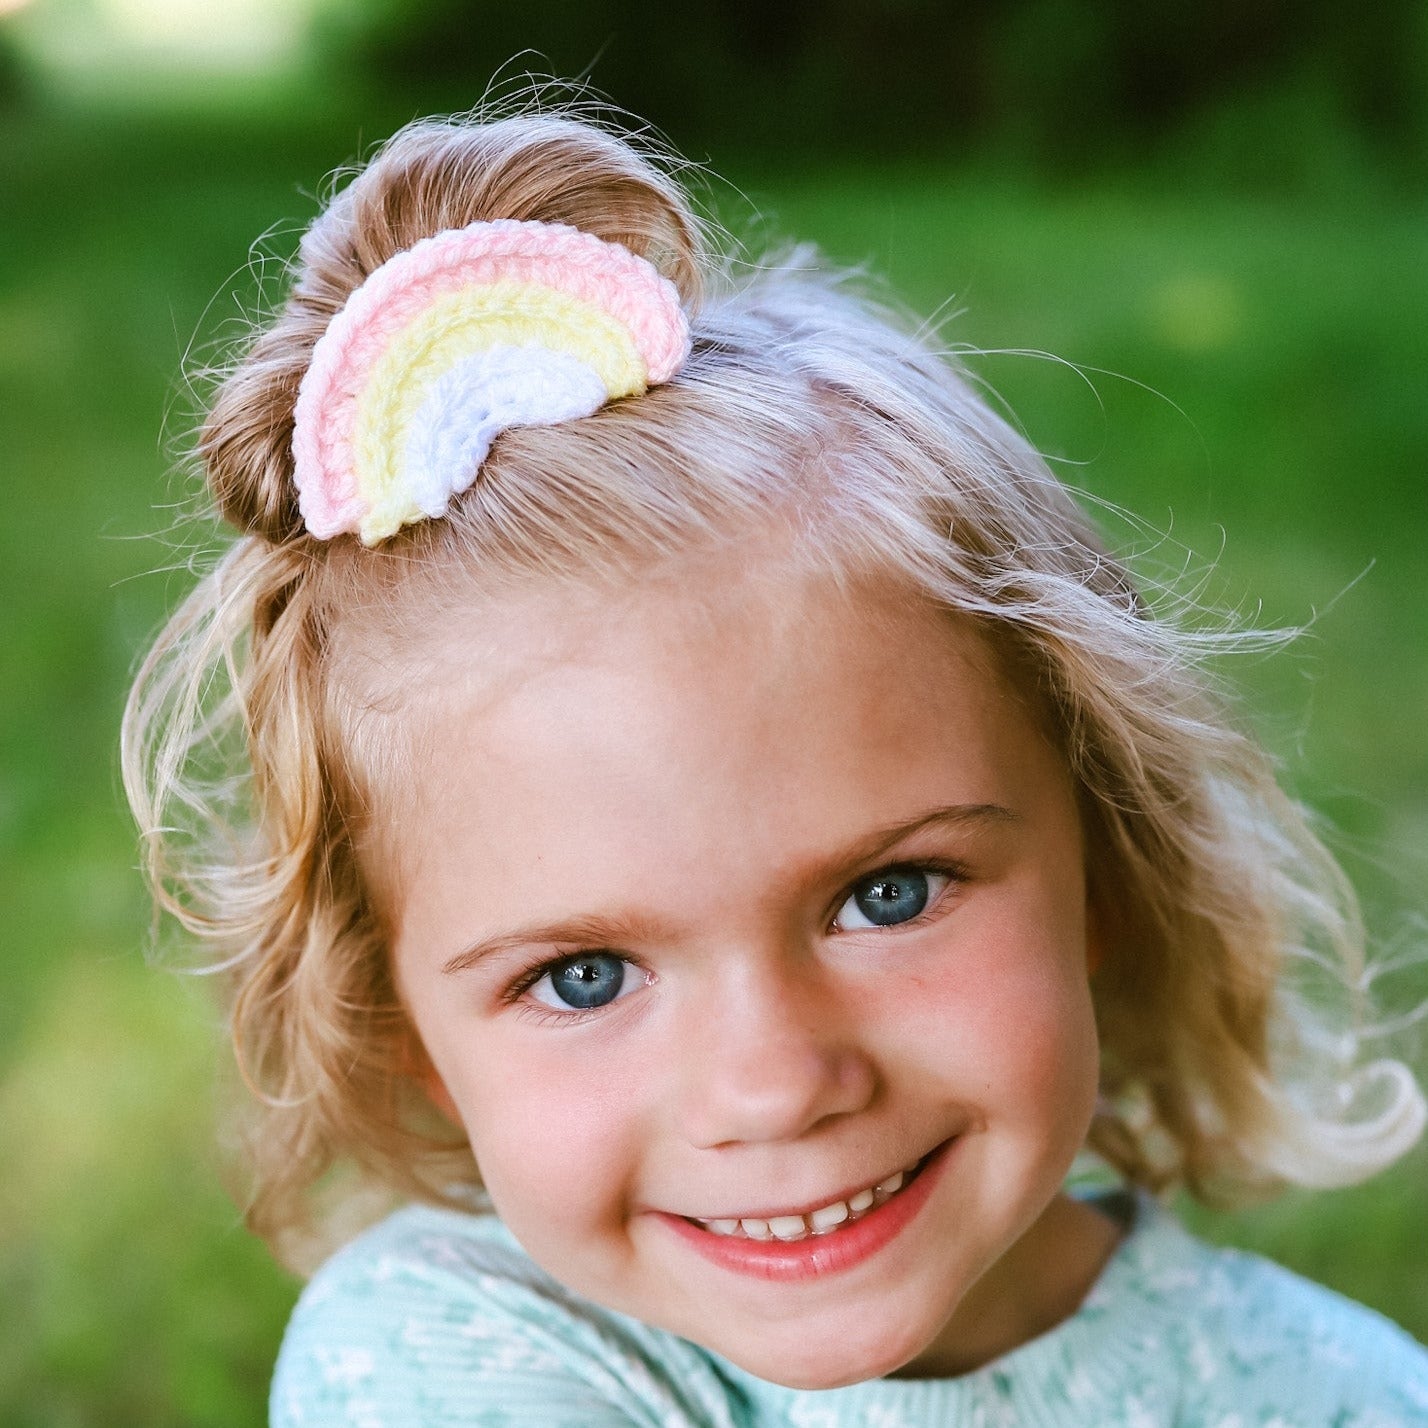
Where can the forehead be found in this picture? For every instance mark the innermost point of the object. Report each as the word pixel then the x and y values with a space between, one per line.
pixel 717 646
pixel 706 717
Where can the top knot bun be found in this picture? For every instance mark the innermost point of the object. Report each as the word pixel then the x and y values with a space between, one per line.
pixel 429 177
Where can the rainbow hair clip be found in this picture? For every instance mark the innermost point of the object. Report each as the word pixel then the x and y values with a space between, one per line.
pixel 450 342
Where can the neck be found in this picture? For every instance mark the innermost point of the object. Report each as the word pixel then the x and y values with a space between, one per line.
pixel 1037 1284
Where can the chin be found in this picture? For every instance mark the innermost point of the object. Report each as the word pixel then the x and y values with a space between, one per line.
pixel 836 1364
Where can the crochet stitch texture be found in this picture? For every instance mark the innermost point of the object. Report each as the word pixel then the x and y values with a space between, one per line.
pixel 468 332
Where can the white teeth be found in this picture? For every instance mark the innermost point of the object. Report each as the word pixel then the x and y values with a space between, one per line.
pixel 819 1222
pixel 788 1227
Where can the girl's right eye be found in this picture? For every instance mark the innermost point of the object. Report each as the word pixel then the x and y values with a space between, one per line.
pixel 585 981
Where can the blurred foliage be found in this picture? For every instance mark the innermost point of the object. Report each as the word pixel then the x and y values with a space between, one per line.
pixel 1061 81
pixel 15 85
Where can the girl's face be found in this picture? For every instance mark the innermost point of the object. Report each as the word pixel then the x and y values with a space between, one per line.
pixel 733 902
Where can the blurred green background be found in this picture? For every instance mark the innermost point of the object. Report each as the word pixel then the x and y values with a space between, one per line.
pixel 1216 212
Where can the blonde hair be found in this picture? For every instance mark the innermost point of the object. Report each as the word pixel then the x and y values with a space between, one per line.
pixel 256 764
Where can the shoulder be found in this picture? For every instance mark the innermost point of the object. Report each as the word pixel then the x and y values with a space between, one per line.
pixel 434 1318
pixel 1299 1331
pixel 1238 1329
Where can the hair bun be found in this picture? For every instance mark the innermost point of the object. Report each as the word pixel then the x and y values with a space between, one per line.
pixel 430 177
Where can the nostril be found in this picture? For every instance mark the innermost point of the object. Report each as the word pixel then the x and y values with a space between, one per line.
pixel 773 1088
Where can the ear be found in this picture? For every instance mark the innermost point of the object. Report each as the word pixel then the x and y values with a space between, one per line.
pixel 417 1066
pixel 438 1095
pixel 1095 935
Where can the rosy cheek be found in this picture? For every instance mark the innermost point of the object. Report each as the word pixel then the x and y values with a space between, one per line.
pixel 1006 1016
pixel 1059 1065
pixel 552 1128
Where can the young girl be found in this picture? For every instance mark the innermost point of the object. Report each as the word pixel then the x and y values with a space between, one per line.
pixel 721 834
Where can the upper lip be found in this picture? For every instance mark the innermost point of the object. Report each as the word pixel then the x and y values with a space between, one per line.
pixel 807 1207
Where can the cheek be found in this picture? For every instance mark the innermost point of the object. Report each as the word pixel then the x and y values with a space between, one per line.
pixel 554 1124
pixel 1008 1017
pixel 1053 1028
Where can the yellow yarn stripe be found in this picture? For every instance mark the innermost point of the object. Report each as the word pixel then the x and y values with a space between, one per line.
pixel 461 324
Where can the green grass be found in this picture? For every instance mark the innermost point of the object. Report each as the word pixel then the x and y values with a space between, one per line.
pixel 1269 414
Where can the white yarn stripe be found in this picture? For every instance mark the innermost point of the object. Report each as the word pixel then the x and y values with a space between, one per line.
pixel 470 404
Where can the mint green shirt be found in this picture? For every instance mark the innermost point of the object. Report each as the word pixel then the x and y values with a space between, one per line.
pixel 435 1319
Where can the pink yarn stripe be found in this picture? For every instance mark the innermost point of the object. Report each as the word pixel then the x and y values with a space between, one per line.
pixel 549 255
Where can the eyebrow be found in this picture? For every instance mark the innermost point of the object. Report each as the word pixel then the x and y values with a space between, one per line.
pixel 591 931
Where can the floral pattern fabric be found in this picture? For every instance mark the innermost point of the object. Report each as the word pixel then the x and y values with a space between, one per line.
pixel 436 1319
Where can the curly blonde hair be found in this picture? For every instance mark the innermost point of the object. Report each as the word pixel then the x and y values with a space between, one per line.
pixel 257 766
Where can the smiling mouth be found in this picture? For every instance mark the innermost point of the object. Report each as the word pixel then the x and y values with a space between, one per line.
pixel 824 1220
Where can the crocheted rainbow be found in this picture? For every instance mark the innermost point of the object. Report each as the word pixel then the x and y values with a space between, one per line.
pixel 452 341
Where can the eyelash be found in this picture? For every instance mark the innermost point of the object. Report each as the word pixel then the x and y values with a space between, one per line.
pixel 548 1016
pixel 955 874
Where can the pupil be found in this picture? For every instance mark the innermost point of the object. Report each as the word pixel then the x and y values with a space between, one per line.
pixel 892 897
pixel 593 979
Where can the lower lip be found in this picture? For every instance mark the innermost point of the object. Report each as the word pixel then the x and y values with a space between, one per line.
pixel 816 1255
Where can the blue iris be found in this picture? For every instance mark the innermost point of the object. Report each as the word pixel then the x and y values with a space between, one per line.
pixel 897 895
pixel 588 979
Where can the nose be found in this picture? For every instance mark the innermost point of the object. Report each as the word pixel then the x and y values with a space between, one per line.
pixel 772 1055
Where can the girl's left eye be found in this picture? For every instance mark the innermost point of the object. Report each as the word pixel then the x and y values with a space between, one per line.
pixel 890 896
pixel 585 981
